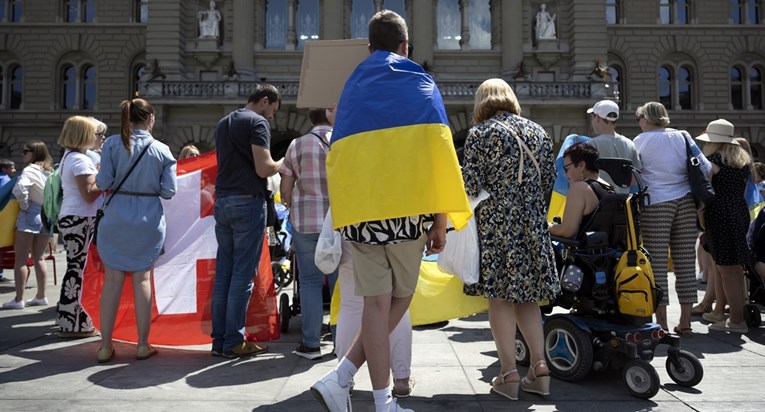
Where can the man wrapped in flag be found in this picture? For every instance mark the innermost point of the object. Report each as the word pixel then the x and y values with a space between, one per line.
pixel 391 165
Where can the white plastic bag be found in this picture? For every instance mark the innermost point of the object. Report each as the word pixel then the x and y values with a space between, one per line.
pixel 461 256
pixel 329 248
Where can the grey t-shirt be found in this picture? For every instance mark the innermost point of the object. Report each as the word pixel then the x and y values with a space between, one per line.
pixel 234 137
pixel 616 146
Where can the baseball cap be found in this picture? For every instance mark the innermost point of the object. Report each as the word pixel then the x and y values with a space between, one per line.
pixel 605 109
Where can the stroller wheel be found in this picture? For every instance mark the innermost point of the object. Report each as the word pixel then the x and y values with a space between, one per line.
pixel 284 312
pixel 752 315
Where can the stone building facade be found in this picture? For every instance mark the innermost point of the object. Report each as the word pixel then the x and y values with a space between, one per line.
pixel 196 60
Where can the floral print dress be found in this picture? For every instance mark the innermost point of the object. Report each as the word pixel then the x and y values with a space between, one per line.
pixel 517 262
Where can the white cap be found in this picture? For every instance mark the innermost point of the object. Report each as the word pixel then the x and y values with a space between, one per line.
pixel 605 109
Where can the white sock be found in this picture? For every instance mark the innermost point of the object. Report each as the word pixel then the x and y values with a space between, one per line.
pixel 382 397
pixel 345 372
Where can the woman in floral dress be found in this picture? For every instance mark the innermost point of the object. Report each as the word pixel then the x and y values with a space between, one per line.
pixel 511 158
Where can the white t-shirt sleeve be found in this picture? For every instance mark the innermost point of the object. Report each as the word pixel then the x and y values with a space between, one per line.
pixel 81 165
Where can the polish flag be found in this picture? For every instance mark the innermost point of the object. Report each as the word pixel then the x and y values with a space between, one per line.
pixel 182 280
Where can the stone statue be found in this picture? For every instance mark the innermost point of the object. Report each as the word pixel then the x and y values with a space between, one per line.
pixel 545 24
pixel 208 21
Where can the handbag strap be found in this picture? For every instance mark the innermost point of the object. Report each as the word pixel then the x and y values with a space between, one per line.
pixel 132 167
pixel 523 148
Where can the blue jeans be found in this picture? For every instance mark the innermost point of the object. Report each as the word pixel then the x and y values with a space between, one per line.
pixel 240 223
pixel 311 282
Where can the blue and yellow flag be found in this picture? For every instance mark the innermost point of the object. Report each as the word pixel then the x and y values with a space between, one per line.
pixel 754 199
pixel 560 189
pixel 392 153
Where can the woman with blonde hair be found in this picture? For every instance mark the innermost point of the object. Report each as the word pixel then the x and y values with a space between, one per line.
pixel 32 236
pixel 669 222
pixel 727 222
pixel 82 199
pixel 188 151
pixel 512 159
pixel 132 230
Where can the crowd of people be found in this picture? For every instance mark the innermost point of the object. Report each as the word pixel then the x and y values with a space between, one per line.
pixel 112 189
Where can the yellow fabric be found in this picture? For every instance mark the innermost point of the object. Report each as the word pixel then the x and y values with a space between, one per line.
pixel 8 223
pixel 557 206
pixel 438 298
pixel 416 172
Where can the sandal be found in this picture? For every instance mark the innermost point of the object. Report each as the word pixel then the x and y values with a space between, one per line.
pixel 539 385
pixel 683 332
pixel 145 352
pixel 507 389
pixel 699 310
pixel 104 355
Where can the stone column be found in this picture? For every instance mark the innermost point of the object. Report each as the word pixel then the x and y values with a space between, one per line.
pixel 291 35
pixel 511 35
pixel 378 5
pixel 421 24
pixel 332 19
pixel 465 32
pixel 244 38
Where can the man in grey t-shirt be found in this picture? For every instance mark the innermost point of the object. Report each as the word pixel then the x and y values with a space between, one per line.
pixel 609 143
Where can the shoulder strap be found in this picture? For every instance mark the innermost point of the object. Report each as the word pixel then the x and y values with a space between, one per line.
pixel 599 188
pixel 321 141
pixel 143 152
pixel 523 148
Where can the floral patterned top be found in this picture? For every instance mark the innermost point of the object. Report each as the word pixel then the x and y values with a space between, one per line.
pixel 517 262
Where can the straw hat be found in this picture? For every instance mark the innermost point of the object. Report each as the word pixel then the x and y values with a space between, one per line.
pixel 718 131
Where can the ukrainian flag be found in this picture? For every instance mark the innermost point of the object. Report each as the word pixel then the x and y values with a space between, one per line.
pixel 754 199
pixel 391 152
pixel 560 188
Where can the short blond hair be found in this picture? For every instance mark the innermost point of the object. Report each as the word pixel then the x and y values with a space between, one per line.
pixel 494 96
pixel 732 155
pixel 655 113
pixel 188 151
pixel 79 133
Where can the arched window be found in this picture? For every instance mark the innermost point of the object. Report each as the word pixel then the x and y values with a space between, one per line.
pixel 69 87
pixel 13 10
pixel 78 87
pixel 17 86
pixel 746 87
pixel 665 86
pixel 685 87
pixel 612 11
pixel 615 77
pixel 755 88
pixel 88 87
pixel 138 70
pixel 737 88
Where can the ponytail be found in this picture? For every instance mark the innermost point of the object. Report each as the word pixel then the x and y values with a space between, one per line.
pixel 133 111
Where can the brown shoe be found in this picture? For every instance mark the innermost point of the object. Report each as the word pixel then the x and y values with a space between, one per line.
pixel 145 352
pixel 402 388
pixel 104 355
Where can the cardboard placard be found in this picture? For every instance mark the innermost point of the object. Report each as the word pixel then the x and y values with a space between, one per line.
pixel 327 64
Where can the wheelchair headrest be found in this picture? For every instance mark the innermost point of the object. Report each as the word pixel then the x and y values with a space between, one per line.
pixel 619 169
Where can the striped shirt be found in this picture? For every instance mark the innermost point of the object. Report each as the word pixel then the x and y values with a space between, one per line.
pixel 305 160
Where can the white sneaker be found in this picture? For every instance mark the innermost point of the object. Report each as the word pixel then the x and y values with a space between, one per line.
pixel 392 407
pixel 13 304
pixel 37 302
pixel 333 397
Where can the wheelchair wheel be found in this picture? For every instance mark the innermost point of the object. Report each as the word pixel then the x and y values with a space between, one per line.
pixel 284 312
pixel 641 379
pixel 752 315
pixel 522 354
pixel 688 372
pixel 568 350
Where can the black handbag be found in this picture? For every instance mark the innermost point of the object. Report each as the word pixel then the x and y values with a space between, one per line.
pixel 701 187
pixel 100 212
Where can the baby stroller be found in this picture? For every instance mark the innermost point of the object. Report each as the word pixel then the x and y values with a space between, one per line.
pixel 756 240
pixel 607 284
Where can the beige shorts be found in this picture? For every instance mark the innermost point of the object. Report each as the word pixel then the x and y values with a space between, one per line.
pixel 383 269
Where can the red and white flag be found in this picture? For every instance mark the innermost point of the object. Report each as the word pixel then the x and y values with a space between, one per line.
pixel 182 280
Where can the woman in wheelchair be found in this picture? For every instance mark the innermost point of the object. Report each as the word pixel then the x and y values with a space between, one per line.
pixel 585 189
